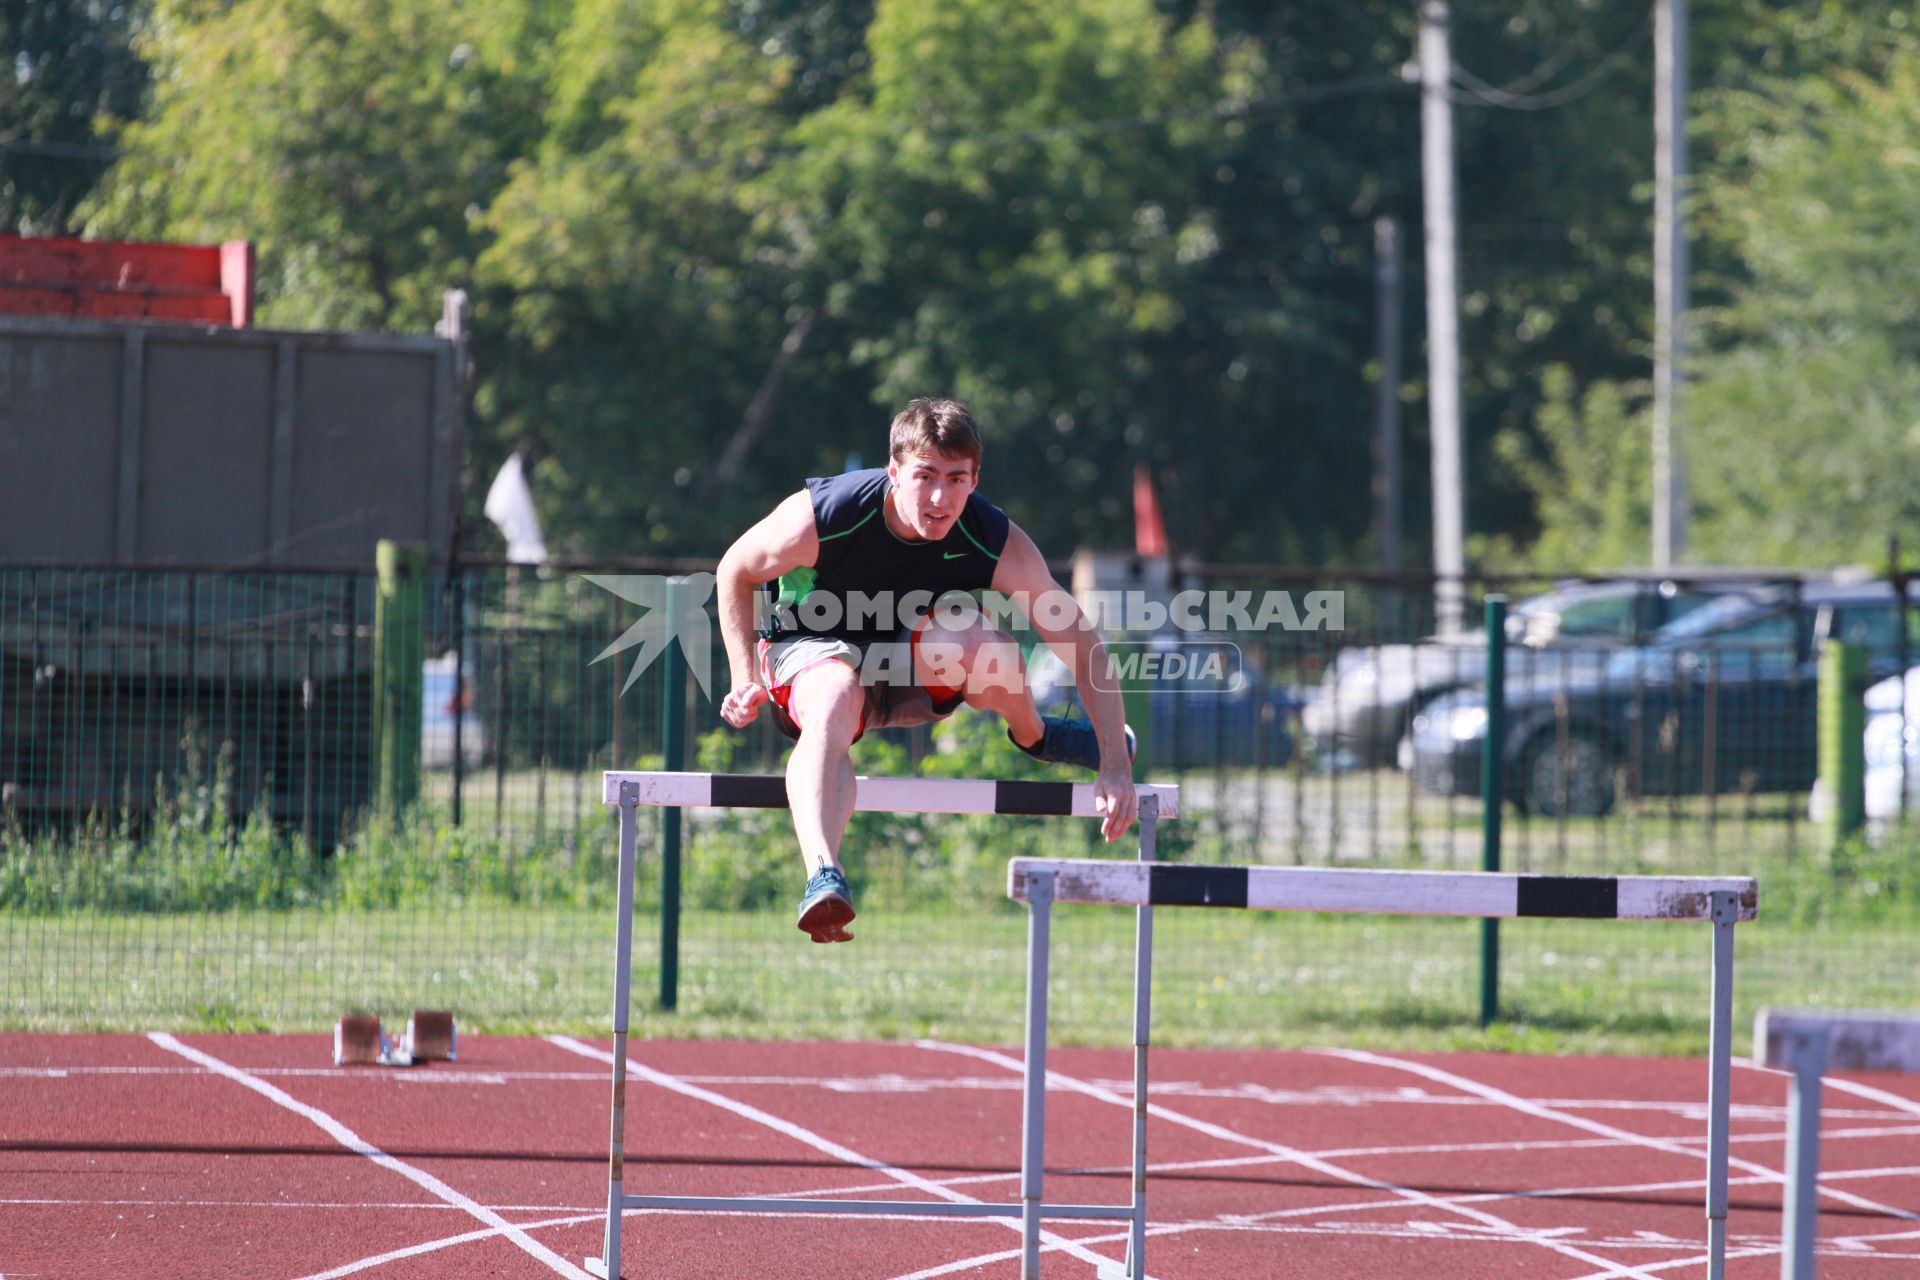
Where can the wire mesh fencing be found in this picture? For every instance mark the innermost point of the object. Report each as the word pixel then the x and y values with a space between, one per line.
pixel 196 827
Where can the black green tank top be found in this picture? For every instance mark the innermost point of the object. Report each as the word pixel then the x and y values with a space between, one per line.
pixel 868 581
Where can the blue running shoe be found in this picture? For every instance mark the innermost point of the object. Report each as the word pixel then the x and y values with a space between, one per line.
pixel 1067 741
pixel 827 908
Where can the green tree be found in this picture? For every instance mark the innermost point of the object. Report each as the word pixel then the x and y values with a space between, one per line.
pixel 356 141
pixel 712 262
pixel 1588 473
pixel 68 64
pixel 1762 71
pixel 1003 211
pixel 637 309
pixel 1803 428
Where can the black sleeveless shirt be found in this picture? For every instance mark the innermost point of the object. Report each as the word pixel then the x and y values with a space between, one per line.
pixel 868 582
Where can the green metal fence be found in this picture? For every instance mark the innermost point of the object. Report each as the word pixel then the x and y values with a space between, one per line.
pixel 198 825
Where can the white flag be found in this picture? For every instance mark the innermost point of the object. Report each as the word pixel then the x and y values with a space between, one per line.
pixel 510 506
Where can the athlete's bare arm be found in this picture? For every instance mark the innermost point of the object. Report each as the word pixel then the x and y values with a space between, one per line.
pixel 1022 575
pixel 781 542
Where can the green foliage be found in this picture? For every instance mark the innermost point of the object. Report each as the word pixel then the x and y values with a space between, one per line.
pixel 713 244
pixel 1588 473
pixel 1868 879
pixel 1803 443
pixel 67 65
pixel 392 865
pixel 354 140
pixel 186 853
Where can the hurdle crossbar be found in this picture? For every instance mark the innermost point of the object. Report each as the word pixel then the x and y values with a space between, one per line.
pixel 1809 1043
pixel 1486 894
pixel 1722 902
pixel 873 795
pixel 628 791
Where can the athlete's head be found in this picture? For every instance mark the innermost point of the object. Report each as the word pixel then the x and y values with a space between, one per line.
pixel 934 463
pixel 935 426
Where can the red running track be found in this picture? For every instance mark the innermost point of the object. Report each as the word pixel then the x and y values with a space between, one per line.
pixel 251 1156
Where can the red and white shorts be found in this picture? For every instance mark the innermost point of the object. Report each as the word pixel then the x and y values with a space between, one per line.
pixel 895 697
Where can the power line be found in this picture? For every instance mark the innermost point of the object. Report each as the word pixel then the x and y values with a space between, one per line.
pixel 1479 93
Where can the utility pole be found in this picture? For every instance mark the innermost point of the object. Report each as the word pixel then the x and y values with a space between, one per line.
pixel 1671 508
pixel 1387 326
pixel 1443 314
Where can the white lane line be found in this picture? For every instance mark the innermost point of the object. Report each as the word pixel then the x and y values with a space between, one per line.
pixel 1432 1233
pixel 303 1206
pixel 454 1076
pixel 1671 1147
pixel 445 1242
pixel 1870 1093
pixel 1389 1231
pixel 354 1142
pixel 1293 1154
pixel 827 1146
pixel 890 1082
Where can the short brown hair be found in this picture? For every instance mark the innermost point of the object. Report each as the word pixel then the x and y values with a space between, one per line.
pixel 935 426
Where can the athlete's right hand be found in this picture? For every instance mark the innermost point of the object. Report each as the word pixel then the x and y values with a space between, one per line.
pixel 741 706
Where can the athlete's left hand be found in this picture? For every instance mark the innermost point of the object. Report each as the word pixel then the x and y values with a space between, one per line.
pixel 1115 800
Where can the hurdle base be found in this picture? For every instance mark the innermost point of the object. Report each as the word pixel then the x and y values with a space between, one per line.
pixel 875 1208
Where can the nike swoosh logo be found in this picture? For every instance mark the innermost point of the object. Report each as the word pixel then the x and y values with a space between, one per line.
pixel 953 555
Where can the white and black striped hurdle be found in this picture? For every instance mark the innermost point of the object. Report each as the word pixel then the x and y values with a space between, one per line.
pixel 1042 882
pixel 872 795
pixel 1809 1043
pixel 1144 885
pixel 630 791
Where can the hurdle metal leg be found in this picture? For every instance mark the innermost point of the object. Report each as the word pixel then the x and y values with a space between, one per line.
pixel 1726 910
pixel 1142 1034
pixel 1033 1112
pixel 1802 1210
pixel 607 1265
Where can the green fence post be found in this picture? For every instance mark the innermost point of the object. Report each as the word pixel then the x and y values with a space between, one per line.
pixel 1843 717
pixel 674 735
pixel 1492 796
pixel 398 612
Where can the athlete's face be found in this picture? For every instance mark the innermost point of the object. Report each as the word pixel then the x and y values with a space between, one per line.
pixel 930 490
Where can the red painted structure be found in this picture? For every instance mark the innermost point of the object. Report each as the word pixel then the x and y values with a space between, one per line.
pixel 128 280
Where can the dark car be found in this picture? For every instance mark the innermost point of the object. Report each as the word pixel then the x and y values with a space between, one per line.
pixel 1365 704
pixel 1196 719
pixel 1724 700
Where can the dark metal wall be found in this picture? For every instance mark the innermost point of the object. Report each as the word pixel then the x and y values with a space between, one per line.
pixel 157 445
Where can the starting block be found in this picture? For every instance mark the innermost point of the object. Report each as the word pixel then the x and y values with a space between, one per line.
pixel 430 1036
pixel 359 1041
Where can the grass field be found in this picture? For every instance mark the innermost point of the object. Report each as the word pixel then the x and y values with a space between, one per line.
pixel 1222 979
pixel 511 926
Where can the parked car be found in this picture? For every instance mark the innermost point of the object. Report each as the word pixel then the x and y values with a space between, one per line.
pixel 1889 736
pixel 439 705
pixel 1723 699
pixel 1367 700
pixel 1197 719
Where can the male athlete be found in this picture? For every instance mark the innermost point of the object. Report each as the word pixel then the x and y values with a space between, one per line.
pixel 856 642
